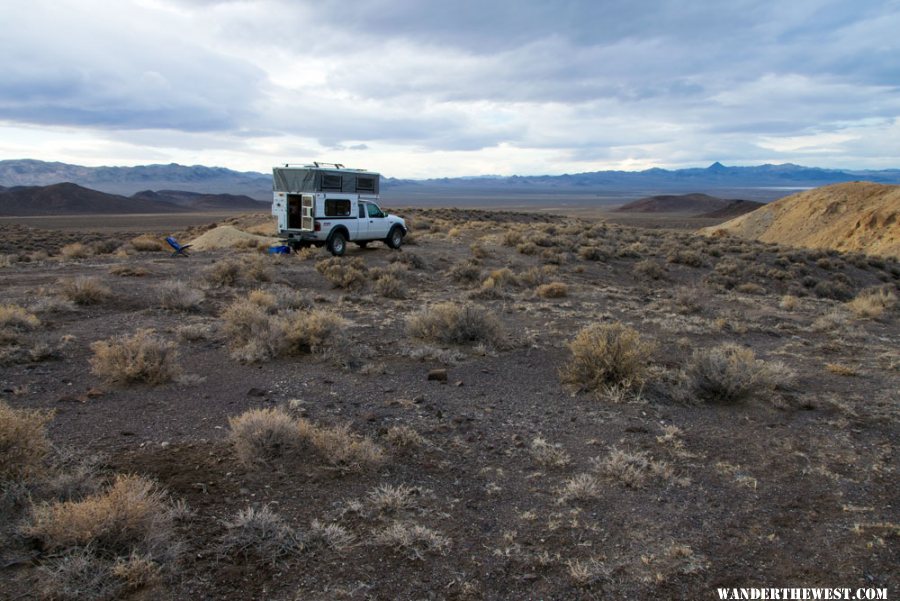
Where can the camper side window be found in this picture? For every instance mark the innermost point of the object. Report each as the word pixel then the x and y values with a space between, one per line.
pixel 337 207
pixel 332 182
pixel 365 184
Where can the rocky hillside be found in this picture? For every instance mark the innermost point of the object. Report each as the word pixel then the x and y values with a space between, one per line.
pixel 855 216
pixel 690 204
pixel 72 199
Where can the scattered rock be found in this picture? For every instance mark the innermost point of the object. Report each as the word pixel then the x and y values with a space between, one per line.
pixel 438 375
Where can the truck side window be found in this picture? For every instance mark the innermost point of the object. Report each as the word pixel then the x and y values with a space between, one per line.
pixel 362 210
pixel 336 207
pixel 374 211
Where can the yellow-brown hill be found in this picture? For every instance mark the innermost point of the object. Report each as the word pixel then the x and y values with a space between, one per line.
pixel 855 216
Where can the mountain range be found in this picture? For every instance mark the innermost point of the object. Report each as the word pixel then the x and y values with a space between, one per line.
pixel 766 181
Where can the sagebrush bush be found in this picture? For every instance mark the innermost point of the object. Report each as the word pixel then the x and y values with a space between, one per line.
pixel 633 469
pixel 261 535
pixel 133 514
pixel 17 318
pixel 23 442
pixel 729 373
pixel 146 243
pixel 465 272
pixel 262 435
pixel 606 355
pixel 75 250
pixel 84 290
pixel 648 268
pixel 179 296
pixel 413 539
pixel 455 324
pixel 390 286
pixel 552 290
pixel 691 258
pixel 141 357
pixel 871 303
pixel 342 272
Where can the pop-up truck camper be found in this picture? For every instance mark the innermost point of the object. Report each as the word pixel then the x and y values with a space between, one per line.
pixel 328 204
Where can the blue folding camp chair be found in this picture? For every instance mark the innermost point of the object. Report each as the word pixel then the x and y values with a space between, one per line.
pixel 179 249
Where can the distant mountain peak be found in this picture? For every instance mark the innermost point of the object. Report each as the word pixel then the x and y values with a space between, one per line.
pixel 717 166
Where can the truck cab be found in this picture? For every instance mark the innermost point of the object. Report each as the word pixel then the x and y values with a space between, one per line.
pixel 326 204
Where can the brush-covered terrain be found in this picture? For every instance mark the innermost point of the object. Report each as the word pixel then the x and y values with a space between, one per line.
pixel 513 406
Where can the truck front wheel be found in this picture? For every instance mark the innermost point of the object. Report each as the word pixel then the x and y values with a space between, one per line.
pixel 395 237
pixel 337 244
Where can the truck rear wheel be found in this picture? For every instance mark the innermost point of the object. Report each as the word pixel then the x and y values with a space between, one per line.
pixel 395 237
pixel 337 244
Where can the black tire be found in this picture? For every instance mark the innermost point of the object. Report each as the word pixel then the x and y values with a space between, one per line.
pixel 362 243
pixel 337 244
pixel 395 237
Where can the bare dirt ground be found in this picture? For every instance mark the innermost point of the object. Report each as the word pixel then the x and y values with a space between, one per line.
pixel 510 483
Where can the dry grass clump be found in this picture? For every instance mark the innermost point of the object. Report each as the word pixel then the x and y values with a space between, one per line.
pixel 142 357
pixel 332 536
pixel 390 286
pixel 14 317
pixel 261 535
pixel 465 272
pixel 789 302
pixel 75 250
pixel 23 442
pixel 452 323
pixel 729 373
pixel 84 290
pixel 255 334
pixel 404 437
pixel 872 303
pixel 262 435
pixel 179 296
pixel 390 499
pixel 593 253
pixel 146 243
pixel 413 539
pixel 132 515
pixel 632 469
pixel 549 455
pixel 587 572
pixel 582 487
pixel 128 271
pixel 349 274
pixel 648 268
pixel 552 290
pixel 234 272
pixel 605 355
pixel 691 258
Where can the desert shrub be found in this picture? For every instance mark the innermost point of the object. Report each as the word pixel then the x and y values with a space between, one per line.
pixel 455 324
pixel 465 272
pixel 527 248
pixel 263 299
pixel 390 286
pixel 789 302
pixel 179 296
pixel 688 301
pixel 632 469
pixel 261 535
pixel 512 238
pixel 593 253
pixel 750 288
pixel 648 268
pixel 413 539
pixel 338 446
pixel 261 435
pixel 501 278
pixel 75 250
pixel 870 303
pixel 404 437
pixel 6 260
pixel 311 331
pixel 606 355
pixel 146 243
pixel 223 273
pixel 582 487
pixel 343 273
pixel 549 455
pixel 142 357
pixel 16 318
pixel 729 373
pixel 84 290
pixel 23 442
pixel 332 536
pixel 132 515
pixel 409 259
pixel 552 290
pixel 256 268
pixel 691 258
pixel 128 271
pixel 834 289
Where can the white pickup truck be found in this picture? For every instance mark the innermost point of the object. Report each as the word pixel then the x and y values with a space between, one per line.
pixel 320 205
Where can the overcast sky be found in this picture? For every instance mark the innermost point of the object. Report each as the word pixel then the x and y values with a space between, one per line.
pixel 420 88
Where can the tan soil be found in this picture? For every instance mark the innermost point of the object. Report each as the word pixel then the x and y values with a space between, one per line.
pixel 227 236
pixel 856 216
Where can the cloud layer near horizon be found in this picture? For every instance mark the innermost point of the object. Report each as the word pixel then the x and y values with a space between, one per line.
pixel 420 89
